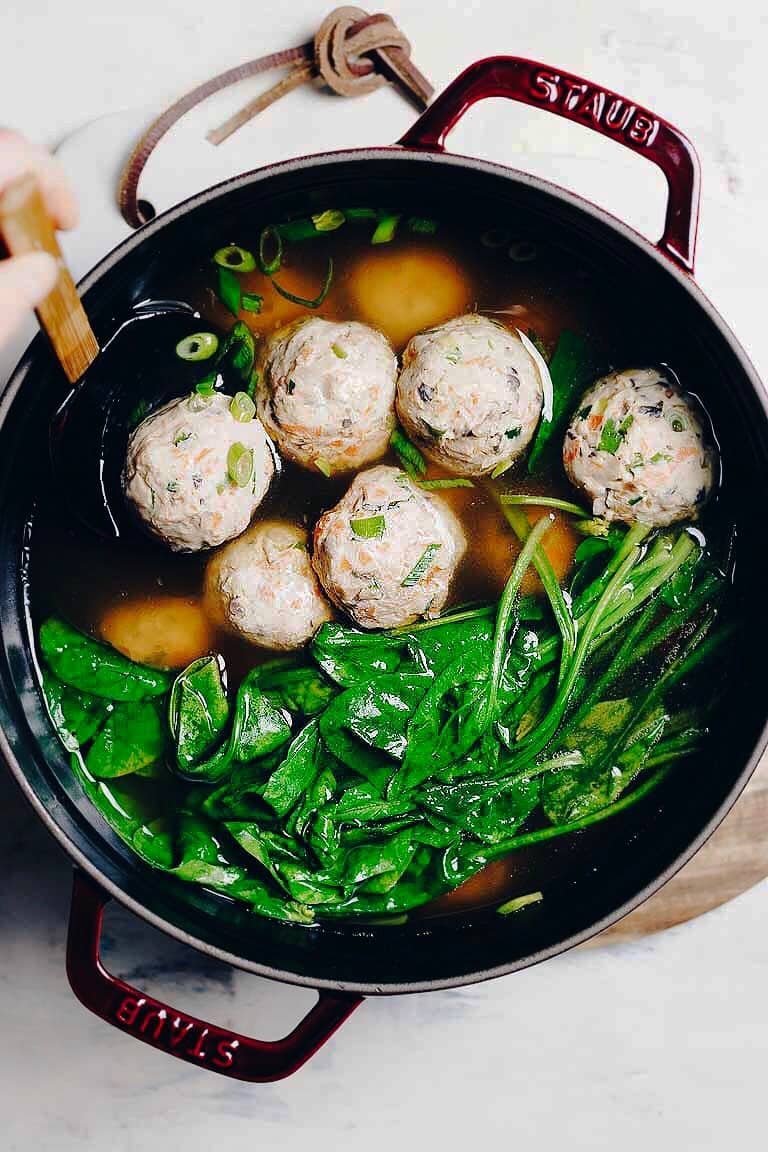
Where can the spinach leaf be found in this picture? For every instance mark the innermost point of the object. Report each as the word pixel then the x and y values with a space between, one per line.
pixel 372 764
pixel 288 782
pixel 198 712
pixel 572 368
pixel 76 715
pixel 298 687
pixel 350 657
pixel 85 664
pixel 132 739
pixel 603 776
pixel 377 713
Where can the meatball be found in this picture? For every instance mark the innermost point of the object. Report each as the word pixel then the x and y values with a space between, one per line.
pixel 387 552
pixel 262 587
pixel 180 468
pixel 637 447
pixel 469 394
pixel 326 393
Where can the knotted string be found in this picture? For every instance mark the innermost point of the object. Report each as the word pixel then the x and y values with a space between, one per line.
pixel 353 53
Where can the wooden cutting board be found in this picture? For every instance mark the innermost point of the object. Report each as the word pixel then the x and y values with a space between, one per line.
pixel 733 859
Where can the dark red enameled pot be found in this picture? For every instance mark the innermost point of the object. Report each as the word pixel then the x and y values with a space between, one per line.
pixel 606 877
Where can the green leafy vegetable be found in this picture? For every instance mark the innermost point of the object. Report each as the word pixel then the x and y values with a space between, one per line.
pixel 411 459
pixel 85 664
pixel 132 739
pixel 571 368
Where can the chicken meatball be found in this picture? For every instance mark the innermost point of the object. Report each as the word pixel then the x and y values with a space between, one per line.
pixel 638 448
pixel 326 393
pixel 195 474
pixel 469 394
pixel 262 587
pixel 387 552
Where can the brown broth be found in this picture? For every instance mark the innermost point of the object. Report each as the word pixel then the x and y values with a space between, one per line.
pixel 400 287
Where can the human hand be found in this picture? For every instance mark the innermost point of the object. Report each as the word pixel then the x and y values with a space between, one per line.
pixel 26 280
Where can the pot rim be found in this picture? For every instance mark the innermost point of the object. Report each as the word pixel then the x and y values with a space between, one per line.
pixel 685 279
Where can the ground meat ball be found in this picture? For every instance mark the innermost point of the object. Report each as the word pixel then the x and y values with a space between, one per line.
pixel 637 447
pixel 387 552
pixel 326 393
pixel 176 477
pixel 263 588
pixel 469 394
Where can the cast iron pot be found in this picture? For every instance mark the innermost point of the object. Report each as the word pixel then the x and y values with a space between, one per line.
pixel 606 876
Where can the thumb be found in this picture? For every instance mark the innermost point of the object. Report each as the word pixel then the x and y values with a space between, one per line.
pixel 24 282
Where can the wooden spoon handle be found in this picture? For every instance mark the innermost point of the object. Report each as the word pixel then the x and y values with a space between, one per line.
pixel 25 226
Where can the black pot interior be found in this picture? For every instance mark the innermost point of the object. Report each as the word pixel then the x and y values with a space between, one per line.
pixel 609 870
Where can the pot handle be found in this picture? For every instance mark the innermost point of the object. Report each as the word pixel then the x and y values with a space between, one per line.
pixel 540 86
pixel 209 1046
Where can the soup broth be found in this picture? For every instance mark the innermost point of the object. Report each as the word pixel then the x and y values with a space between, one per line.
pixel 426 274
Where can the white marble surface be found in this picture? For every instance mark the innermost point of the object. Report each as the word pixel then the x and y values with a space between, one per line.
pixel 662 1041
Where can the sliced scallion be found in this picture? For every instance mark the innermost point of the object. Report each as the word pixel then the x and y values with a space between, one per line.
pixel 270 250
pixel 251 302
pixel 303 300
pixel 323 466
pixel 422 225
pixel 240 464
pixel 519 902
pixel 253 383
pixel 361 213
pixel 242 407
pixel 208 385
pixel 238 351
pixel 422 565
pixel 229 291
pixel 386 228
pixel 543 502
pixel 329 220
pixel 234 257
pixel 369 527
pixel 439 485
pixel 502 467
pixel 198 346
pixel 411 459
pixel 339 351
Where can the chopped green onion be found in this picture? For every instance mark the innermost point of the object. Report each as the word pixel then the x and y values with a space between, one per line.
pixel 495 237
pixel 270 264
pixel 519 902
pixel 411 459
pixel 302 300
pixel 251 302
pixel 454 355
pixel 198 346
pixel 386 228
pixel 229 290
pixel 322 464
pixel 361 214
pixel 238 350
pixel 544 502
pixel 253 383
pixel 439 485
pixel 422 225
pixel 242 407
pixel 208 385
pixel 329 220
pixel 240 464
pixel 236 258
pixel 369 528
pixel 138 414
pixel 502 467
pixel 522 251
pixel 339 351
pixel 594 526
pixel 421 566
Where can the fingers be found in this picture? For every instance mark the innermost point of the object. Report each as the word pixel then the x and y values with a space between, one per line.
pixel 18 155
pixel 24 282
